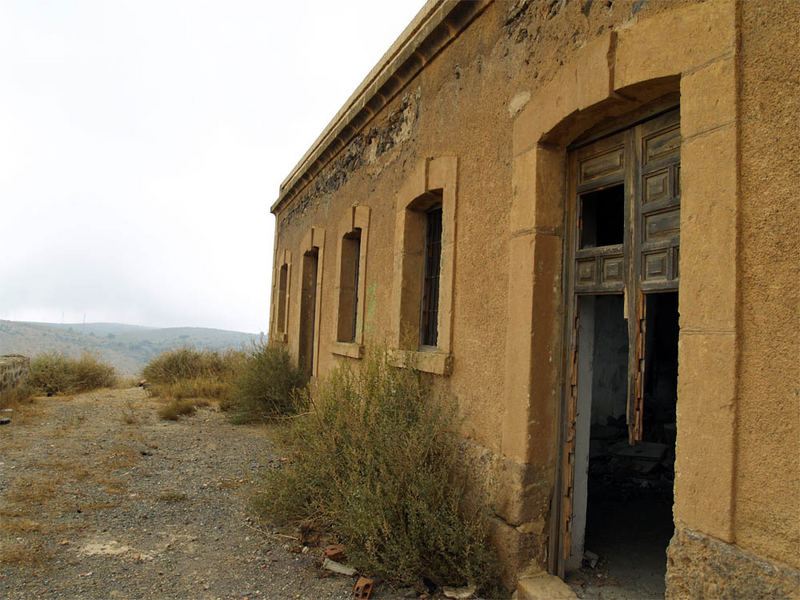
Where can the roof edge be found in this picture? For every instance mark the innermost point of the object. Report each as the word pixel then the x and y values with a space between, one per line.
pixel 435 26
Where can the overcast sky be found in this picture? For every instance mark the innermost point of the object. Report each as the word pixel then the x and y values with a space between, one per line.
pixel 142 143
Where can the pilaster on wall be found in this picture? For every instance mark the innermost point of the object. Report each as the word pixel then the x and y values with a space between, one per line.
pixel 704 482
pixel 615 74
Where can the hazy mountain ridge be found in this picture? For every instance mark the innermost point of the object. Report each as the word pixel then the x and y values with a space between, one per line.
pixel 127 347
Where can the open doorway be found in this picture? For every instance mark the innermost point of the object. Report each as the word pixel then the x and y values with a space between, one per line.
pixel 622 519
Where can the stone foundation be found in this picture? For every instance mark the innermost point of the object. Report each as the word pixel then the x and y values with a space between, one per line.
pixel 702 567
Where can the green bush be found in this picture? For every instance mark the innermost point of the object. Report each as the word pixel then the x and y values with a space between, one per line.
pixel 266 387
pixel 375 461
pixel 55 373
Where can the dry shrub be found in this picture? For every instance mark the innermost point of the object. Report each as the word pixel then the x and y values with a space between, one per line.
pixel 266 387
pixel 188 363
pixel 22 393
pixel 376 461
pixel 56 373
pixel 189 373
pixel 177 407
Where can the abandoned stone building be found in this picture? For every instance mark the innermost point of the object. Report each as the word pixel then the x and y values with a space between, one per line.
pixel 581 217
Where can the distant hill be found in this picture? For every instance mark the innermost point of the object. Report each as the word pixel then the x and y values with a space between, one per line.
pixel 127 347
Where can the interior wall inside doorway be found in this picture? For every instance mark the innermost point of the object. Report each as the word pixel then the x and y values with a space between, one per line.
pixel 623 494
pixel 602 392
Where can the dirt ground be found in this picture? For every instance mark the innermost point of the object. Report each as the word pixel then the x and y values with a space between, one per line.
pixel 99 498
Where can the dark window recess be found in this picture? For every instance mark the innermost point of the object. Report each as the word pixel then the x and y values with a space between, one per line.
pixel 282 298
pixel 603 217
pixel 430 289
pixel 355 288
pixel 348 287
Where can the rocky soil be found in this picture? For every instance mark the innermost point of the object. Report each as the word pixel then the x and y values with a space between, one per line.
pixel 101 499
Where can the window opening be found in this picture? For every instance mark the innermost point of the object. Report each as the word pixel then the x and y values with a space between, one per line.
pixel 430 290
pixel 602 217
pixel 348 286
pixel 282 283
pixel 308 307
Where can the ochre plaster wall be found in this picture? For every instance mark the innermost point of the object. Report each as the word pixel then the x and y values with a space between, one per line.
pixel 526 73
pixel 462 104
pixel 767 459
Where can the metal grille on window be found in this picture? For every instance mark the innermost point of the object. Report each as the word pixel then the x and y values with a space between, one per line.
pixel 430 296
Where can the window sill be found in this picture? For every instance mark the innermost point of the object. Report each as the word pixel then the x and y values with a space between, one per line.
pixel 428 361
pixel 349 349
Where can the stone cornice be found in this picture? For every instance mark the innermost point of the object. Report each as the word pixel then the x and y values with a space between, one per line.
pixel 439 22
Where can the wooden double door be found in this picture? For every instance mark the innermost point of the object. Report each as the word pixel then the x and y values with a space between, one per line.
pixel 623 239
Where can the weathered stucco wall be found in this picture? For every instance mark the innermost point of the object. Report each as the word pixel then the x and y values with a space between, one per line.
pixel 505 97
pixel 768 462
pixel 460 105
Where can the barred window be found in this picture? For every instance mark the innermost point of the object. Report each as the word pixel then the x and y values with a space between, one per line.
pixel 430 288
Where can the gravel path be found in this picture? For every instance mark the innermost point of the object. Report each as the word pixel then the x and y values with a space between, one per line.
pixel 101 499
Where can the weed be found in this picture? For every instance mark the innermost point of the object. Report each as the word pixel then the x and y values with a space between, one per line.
pixel 30 554
pixel 18 395
pixel 176 408
pixel 19 525
pixel 32 491
pixel 129 416
pixel 375 460
pixel 266 387
pixel 171 496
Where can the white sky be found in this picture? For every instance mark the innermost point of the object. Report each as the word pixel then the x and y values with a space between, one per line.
pixel 142 143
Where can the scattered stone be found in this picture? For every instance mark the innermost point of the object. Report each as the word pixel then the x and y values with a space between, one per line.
pixel 335 552
pixel 590 559
pixel 459 593
pixel 363 588
pixel 332 565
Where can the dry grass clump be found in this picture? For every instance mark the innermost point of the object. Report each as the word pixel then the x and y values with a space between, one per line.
pixel 189 373
pixel 17 396
pixel 56 373
pixel 186 377
pixel 180 407
pixel 376 462
pixel 171 496
pixel 266 387
pixel 189 364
